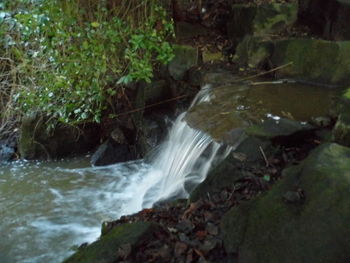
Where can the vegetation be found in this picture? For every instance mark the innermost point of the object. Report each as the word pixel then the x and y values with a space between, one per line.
pixel 70 59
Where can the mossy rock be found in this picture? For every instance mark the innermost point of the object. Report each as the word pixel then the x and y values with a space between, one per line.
pixel 313 60
pixel 309 60
pixel 313 226
pixel 105 249
pixel 185 58
pixel 226 173
pixel 260 20
pixel 271 128
pixel 341 131
pixel 37 141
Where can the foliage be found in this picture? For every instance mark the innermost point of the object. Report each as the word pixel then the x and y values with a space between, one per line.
pixel 67 58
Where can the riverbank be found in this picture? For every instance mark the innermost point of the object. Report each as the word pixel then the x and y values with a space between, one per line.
pixel 283 186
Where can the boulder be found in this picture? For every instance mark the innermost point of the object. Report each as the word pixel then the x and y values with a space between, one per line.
pixel 233 168
pixel 115 150
pixel 309 60
pixel 304 218
pixel 6 152
pixel 114 245
pixel 271 129
pixel 328 19
pixel 185 58
pixel 341 131
pixel 38 141
pixel 260 20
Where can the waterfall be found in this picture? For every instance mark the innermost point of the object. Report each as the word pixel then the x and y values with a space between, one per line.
pixel 181 163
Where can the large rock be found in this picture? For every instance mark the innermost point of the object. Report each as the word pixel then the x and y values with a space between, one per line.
pixel 311 60
pixel 225 174
pixel 37 141
pixel 341 131
pixel 6 152
pixel 260 20
pixel 185 58
pixel 304 218
pixel 271 129
pixel 105 250
pixel 328 19
pixel 115 150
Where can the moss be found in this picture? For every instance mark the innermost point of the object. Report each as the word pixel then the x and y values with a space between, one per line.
pixel 185 58
pixel 313 60
pixel 341 131
pixel 314 230
pixel 347 94
pixel 105 249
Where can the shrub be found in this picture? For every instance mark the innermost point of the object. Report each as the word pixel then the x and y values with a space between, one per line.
pixel 67 58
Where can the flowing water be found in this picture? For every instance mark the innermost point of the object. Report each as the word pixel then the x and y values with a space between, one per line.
pixel 46 208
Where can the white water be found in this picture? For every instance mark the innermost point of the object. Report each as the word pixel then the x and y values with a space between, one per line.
pixel 47 208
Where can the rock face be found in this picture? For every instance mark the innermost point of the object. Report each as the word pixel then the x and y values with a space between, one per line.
pixel 185 58
pixel 6 152
pixel 326 18
pixel 260 20
pixel 232 168
pixel 341 131
pixel 304 218
pixel 271 128
pixel 309 59
pixel 114 245
pixel 36 142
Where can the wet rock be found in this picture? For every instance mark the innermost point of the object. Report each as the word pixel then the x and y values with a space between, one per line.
pixel 271 128
pixel 114 150
pixel 315 230
pixel 6 152
pixel 185 58
pixel 341 131
pixel 303 57
pixel 114 246
pixel 232 168
pixel 322 121
pixel 37 141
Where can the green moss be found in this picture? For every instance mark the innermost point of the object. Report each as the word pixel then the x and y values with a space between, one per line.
pixel 347 94
pixel 105 249
pixel 312 230
pixel 313 60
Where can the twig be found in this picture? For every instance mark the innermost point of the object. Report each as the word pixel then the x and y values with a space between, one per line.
pixel 267 72
pixel 152 105
pixel 264 155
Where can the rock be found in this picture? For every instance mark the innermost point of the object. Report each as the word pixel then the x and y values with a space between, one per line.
pixel 271 128
pixel 308 59
pixel 260 20
pixel 341 131
pixel 114 150
pixel 185 58
pixel 6 152
pixel 312 59
pixel 114 246
pixel 269 229
pixel 254 52
pixel 153 131
pixel 209 56
pixel 230 170
pixel 36 141
pixel 186 30
pixel 326 18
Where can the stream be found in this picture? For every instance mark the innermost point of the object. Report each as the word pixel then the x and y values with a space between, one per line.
pixel 48 209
